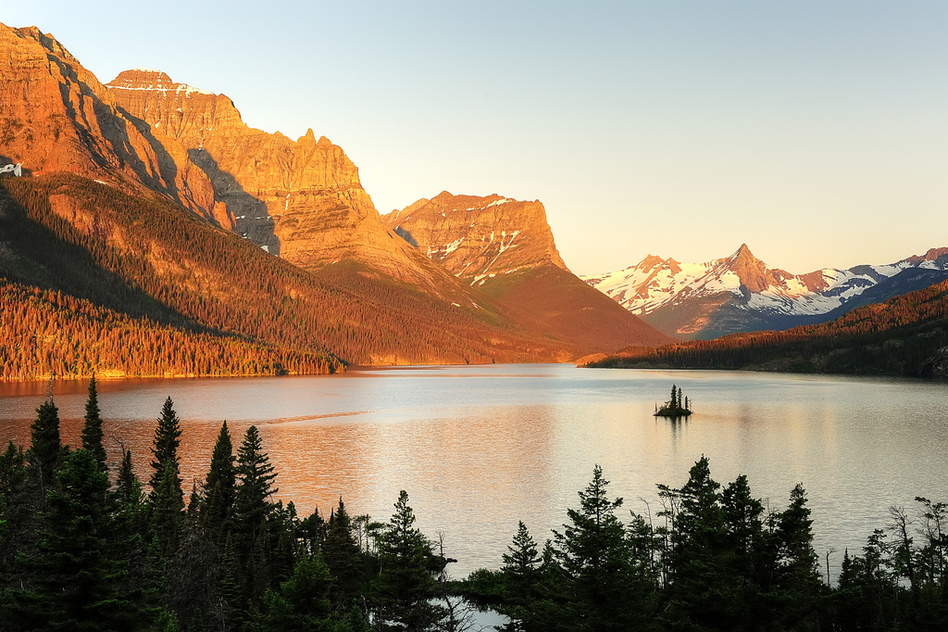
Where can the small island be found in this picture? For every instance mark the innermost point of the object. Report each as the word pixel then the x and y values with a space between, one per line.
pixel 677 406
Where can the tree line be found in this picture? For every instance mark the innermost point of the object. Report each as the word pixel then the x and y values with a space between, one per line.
pixel 81 549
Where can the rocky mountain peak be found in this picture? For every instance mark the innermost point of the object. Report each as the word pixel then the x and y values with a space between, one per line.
pixel 478 238
pixel 301 200
pixel 59 117
pixel 751 271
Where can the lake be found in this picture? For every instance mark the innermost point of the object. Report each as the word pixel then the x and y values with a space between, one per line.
pixel 480 447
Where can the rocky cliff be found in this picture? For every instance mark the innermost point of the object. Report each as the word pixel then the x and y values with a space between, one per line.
pixel 505 248
pixel 301 200
pixel 478 238
pixel 58 117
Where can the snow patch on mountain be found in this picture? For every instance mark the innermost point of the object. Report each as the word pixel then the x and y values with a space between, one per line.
pixel 654 283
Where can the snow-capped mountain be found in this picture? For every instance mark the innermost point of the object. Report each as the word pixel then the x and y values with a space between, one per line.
pixel 741 293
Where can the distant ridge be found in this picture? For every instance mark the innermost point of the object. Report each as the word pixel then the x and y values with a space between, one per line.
pixel 741 293
pixel 906 335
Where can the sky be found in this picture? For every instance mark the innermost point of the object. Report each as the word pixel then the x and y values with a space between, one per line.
pixel 815 132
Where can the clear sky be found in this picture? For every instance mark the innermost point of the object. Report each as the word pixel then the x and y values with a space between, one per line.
pixel 814 131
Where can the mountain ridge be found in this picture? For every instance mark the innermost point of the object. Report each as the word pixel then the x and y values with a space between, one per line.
pixel 741 293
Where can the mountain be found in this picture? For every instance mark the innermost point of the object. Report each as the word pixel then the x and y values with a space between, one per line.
pixel 124 222
pixel 741 293
pixel 301 200
pixel 58 117
pixel 505 248
pixel 906 335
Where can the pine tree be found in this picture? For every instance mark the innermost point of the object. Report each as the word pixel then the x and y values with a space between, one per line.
pixel 45 443
pixel 168 510
pixel 697 550
pixel 254 542
pixel 165 448
pixel 128 486
pixel 221 486
pixel 797 575
pixel 594 555
pixel 405 584
pixel 300 604
pixel 255 487
pixel 343 558
pixel 80 572
pixel 92 429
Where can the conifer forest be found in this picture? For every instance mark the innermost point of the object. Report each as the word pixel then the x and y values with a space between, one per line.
pixel 86 545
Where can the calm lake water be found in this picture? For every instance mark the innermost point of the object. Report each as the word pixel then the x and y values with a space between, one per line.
pixel 479 448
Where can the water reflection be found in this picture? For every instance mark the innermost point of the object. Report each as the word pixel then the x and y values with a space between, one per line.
pixel 479 448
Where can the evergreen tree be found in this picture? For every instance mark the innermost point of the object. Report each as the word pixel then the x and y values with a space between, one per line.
pixel 80 571
pixel 165 448
pixel 343 558
pixel 255 487
pixel 221 486
pixel 301 604
pixel 521 577
pixel 797 576
pixel 674 397
pixel 695 558
pixel 45 443
pixel 594 555
pixel 405 584
pixel 129 488
pixel 92 429
pixel 168 510
pixel 521 564
pixel 254 542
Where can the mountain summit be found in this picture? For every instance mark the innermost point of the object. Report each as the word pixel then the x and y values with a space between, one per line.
pixel 742 293
pixel 505 248
pixel 301 200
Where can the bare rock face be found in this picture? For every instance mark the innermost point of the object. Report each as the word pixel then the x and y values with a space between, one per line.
pixel 58 117
pixel 505 248
pixel 478 238
pixel 301 200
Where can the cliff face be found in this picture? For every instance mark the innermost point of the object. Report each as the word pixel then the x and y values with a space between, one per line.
pixel 301 200
pixel 478 238
pixel 505 248
pixel 58 117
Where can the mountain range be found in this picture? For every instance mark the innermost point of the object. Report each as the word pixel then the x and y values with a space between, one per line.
pixel 180 214
pixel 741 293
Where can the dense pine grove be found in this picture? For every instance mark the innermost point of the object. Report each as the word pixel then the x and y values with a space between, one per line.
pixel 902 336
pixel 49 333
pixel 82 550
pixel 152 262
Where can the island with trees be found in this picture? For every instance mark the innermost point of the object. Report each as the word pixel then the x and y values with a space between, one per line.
pixel 677 406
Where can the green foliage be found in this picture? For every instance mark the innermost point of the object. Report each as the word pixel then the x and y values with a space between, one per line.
pixel 165 451
pixel 45 444
pixel 76 556
pixel 220 487
pixel 405 584
pixel 79 570
pixel 92 428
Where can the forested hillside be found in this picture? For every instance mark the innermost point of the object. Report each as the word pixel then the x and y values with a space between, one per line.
pixel 149 259
pixel 906 335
